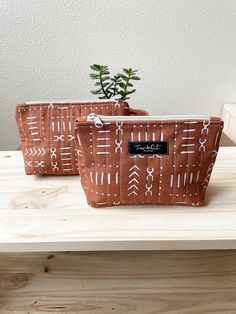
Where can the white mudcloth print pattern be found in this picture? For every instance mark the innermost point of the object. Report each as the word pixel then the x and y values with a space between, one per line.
pixel 103 142
pixel 169 178
pixel 149 180
pixel 133 180
pixel 48 128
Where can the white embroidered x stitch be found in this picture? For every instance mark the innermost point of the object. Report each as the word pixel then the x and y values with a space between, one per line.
pixel 70 137
pixel 54 166
pixel 206 181
pixel 202 147
pixel 59 138
pixel 39 164
pixel 214 153
pixel 118 144
pixel 53 152
pixel 205 126
pixel 148 190
pixel 150 173
pixel 119 127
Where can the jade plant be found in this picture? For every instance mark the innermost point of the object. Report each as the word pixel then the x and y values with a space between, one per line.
pixel 119 86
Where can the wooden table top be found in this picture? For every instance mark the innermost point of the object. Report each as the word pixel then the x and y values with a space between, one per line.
pixel 45 213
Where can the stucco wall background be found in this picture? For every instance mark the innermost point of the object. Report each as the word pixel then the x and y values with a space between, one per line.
pixel 185 51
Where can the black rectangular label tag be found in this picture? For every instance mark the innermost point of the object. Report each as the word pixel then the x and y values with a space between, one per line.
pixel 148 147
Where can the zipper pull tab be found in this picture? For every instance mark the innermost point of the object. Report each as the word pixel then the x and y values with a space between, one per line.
pixel 93 117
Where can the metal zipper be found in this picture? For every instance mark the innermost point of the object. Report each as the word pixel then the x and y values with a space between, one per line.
pixel 99 119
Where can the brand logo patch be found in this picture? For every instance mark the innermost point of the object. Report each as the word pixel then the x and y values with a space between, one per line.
pixel 148 147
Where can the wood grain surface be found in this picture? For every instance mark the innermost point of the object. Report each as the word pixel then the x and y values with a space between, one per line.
pixel 229 118
pixel 44 213
pixel 177 282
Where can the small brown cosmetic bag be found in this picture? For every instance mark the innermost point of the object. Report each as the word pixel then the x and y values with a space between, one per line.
pixel 47 132
pixel 147 160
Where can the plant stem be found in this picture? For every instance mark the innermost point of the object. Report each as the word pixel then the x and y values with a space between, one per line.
pixel 114 89
pixel 104 92
pixel 126 86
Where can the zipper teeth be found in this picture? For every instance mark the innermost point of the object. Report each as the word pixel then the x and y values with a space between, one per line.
pixel 41 102
pixel 93 117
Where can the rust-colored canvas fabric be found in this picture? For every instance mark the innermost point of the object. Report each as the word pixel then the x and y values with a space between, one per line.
pixel 111 175
pixel 47 132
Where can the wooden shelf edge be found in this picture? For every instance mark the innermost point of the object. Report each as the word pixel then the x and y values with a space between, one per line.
pixel 159 245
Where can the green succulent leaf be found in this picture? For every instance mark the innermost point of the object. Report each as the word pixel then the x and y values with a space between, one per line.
pixel 94 76
pixel 96 92
pixel 119 85
pixel 95 67
pixel 105 78
pixel 102 97
pixel 122 93
pixel 105 72
pixel 136 78
pixel 127 71
pixel 122 85
pixel 122 76
pixel 130 92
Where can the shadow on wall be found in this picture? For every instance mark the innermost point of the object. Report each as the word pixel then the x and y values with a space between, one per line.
pixel 226 140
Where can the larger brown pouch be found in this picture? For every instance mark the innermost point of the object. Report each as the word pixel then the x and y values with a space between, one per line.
pixel 147 160
pixel 47 132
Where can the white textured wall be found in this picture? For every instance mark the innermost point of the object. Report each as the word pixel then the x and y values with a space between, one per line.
pixel 185 51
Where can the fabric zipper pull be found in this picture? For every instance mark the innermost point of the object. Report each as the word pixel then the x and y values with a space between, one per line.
pixel 93 117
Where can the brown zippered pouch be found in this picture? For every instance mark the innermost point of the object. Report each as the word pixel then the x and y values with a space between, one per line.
pixel 47 132
pixel 147 160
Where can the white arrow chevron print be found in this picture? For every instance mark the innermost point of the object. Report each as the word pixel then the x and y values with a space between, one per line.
pixel 133 180
pixel 133 187
pixel 134 167
pixel 133 183
pixel 133 192
pixel 35 152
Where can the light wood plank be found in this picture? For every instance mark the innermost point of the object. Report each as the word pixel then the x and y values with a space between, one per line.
pixel 229 132
pixel 50 214
pixel 180 282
